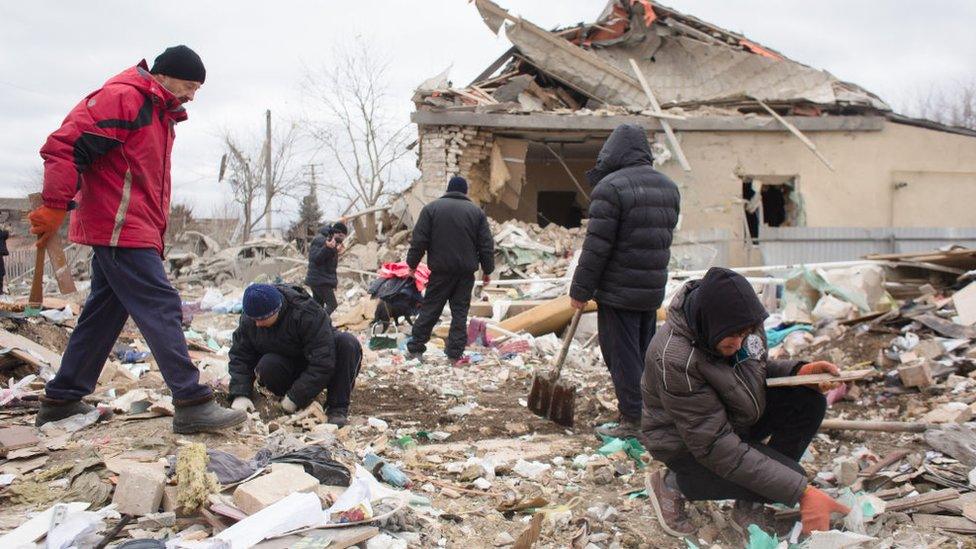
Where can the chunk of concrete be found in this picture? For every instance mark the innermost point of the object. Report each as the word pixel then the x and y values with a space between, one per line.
pixel 255 495
pixel 139 492
pixel 846 471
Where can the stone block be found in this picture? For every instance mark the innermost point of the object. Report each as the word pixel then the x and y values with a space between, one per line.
pixel 139 492
pixel 254 495
pixel 915 374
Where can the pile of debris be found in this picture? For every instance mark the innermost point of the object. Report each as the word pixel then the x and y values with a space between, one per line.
pixel 439 454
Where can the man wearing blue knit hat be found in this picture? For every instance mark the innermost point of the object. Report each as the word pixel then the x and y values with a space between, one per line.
pixel 285 341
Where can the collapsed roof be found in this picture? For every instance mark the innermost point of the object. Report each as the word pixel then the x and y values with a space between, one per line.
pixel 689 63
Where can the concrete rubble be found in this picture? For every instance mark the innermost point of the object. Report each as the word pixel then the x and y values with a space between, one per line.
pixel 474 465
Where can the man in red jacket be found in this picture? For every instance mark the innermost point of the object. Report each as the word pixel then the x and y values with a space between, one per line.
pixel 109 163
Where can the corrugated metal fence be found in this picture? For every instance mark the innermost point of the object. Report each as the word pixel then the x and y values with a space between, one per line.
pixel 784 245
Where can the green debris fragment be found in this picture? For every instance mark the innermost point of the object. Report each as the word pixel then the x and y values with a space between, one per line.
pixel 406 442
pixel 630 446
pixel 759 539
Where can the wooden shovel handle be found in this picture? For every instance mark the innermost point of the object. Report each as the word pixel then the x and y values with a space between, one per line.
pixel 567 341
pixel 37 283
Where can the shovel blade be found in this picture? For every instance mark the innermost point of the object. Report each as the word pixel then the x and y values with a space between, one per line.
pixel 540 395
pixel 562 407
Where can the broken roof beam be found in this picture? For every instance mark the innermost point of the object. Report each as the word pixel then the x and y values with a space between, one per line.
pixel 496 64
pixel 655 106
pixel 560 122
pixel 795 131
pixel 564 60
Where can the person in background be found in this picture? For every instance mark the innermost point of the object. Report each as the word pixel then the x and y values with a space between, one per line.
pixel 109 162
pixel 323 260
pixel 4 235
pixel 454 233
pixel 707 410
pixel 286 342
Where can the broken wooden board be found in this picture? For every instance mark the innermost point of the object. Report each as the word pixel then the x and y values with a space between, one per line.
pixel 959 525
pixel 341 537
pixel 946 328
pixel 957 441
pixel 814 379
pixel 55 254
pixel 889 459
pixel 883 426
pixel 910 502
pixel 483 309
pixel 548 317
pixel 30 352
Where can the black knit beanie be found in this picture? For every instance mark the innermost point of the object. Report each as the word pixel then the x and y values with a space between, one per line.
pixel 180 62
pixel 457 184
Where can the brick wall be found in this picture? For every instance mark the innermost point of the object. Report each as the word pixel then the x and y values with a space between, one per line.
pixel 446 151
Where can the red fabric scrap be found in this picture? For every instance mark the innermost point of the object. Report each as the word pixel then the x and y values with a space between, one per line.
pixel 400 269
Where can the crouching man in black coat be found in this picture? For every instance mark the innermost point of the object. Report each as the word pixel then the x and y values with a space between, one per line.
pixel 286 341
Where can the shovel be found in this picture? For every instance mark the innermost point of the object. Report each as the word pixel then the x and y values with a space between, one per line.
pixel 551 396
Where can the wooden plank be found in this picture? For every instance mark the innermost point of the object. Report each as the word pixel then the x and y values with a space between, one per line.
pixel 55 254
pixel 483 308
pixel 959 525
pixel 891 458
pixel 910 502
pixel 549 317
pixel 665 125
pixel 884 426
pixel 795 131
pixel 552 121
pixel 30 352
pixel 813 379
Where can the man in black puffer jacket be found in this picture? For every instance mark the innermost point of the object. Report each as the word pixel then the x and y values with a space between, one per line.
pixel 323 259
pixel 624 262
pixel 286 342
pixel 454 234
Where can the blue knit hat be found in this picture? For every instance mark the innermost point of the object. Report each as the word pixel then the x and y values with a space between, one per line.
pixel 457 184
pixel 261 301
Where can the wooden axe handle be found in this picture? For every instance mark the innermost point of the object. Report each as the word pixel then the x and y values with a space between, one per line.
pixel 37 283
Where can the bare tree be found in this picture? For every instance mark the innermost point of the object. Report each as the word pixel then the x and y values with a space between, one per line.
pixel 363 141
pixel 244 170
pixel 953 103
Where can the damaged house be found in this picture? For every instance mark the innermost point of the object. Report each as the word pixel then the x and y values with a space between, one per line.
pixel 770 154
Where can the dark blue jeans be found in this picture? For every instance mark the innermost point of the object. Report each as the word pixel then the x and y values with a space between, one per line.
pixel 624 337
pixel 127 282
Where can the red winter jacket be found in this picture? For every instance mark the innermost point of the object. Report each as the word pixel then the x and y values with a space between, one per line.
pixel 110 158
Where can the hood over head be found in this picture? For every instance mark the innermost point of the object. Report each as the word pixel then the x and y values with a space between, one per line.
pixel 626 146
pixel 720 304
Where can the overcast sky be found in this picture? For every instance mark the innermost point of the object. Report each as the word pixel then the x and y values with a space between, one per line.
pixel 54 53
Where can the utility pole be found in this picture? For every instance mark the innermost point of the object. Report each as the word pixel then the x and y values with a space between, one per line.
pixel 269 184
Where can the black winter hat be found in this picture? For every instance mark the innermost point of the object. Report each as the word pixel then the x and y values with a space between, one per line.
pixel 722 304
pixel 180 62
pixel 457 184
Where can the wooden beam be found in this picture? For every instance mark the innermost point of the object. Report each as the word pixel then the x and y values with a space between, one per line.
pixel 793 129
pixel 579 122
pixel 495 65
pixel 884 426
pixel 910 502
pixel 814 379
pixel 656 107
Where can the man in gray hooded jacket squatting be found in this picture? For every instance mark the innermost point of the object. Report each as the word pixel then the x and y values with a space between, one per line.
pixel 624 261
pixel 707 410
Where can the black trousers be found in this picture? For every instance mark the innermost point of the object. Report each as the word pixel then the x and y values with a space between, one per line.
pixel 325 296
pixel 441 289
pixel 791 419
pixel 624 337
pixel 278 373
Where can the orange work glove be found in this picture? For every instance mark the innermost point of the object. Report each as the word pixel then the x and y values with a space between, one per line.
pixel 45 222
pixel 815 510
pixel 820 367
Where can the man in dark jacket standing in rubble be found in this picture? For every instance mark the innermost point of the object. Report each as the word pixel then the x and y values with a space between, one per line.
pixel 624 262
pixel 454 234
pixel 286 342
pixel 707 409
pixel 323 260
pixel 109 162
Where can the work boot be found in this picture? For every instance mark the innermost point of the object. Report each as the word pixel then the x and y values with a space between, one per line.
pixel 411 355
pixel 56 410
pixel 338 416
pixel 627 428
pixel 204 415
pixel 669 505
